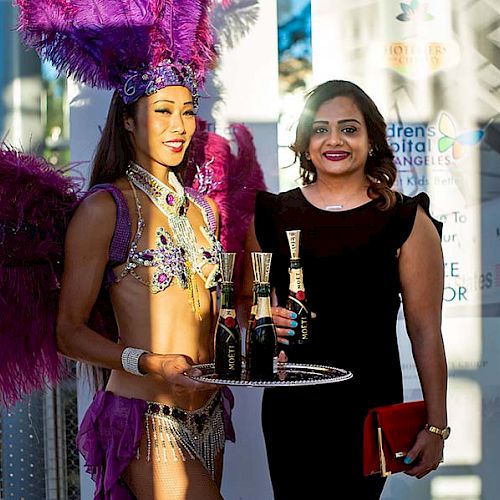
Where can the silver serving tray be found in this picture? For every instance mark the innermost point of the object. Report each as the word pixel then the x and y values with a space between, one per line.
pixel 289 375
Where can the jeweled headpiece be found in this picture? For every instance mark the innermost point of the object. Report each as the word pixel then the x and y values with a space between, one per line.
pixel 136 47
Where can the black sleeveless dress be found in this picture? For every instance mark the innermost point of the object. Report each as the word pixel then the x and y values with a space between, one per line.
pixel 352 283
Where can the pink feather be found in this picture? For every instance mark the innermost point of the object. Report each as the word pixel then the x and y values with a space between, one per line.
pixel 230 179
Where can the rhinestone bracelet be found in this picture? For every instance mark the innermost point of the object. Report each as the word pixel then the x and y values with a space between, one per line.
pixel 130 360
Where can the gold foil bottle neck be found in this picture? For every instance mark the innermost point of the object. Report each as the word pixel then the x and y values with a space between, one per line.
pixel 227 266
pixel 262 266
pixel 254 267
pixel 293 242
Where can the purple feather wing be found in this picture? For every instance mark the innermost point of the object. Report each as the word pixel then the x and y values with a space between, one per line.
pixel 35 205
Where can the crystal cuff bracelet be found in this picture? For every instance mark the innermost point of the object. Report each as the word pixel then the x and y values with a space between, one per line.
pixel 130 360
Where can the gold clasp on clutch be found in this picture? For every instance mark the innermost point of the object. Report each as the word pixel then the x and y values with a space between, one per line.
pixel 383 467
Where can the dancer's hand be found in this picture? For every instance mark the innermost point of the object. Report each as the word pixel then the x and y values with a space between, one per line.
pixel 173 368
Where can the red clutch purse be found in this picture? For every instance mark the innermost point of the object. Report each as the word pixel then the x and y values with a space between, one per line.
pixel 389 433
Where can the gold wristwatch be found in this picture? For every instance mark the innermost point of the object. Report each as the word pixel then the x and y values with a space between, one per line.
pixel 444 432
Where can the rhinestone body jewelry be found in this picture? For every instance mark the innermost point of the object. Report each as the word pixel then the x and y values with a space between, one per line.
pixel 177 256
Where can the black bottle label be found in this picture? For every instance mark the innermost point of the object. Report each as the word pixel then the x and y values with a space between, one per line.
pixel 228 346
pixel 297 303
pixel 227 338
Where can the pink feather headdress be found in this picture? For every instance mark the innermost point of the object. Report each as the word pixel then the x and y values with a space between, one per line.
pixel 134 46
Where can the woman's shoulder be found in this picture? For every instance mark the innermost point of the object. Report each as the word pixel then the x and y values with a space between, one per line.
pixel 106 196
pixel 103 206
pixel 97 203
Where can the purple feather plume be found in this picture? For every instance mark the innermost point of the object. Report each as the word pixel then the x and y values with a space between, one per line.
pixel 99 41
pixel 35 205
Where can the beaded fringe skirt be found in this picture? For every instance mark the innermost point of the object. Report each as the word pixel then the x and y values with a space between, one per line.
pixel 176 434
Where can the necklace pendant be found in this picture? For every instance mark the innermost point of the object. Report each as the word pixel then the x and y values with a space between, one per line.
pixel 334 208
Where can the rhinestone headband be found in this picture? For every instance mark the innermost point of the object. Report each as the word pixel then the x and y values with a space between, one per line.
pixel 138 83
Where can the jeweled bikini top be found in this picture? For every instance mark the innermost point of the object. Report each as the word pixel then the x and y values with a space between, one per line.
pixel 178 256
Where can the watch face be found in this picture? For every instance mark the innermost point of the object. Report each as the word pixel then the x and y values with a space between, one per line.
pixel 444 433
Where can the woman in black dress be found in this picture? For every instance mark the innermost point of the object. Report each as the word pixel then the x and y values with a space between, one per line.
pixel 364 249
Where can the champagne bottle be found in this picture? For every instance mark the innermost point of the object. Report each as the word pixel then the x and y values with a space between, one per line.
pixel 262 361
pixel 227 333
pixel 253 309
pixel 297 301
pixel 251 319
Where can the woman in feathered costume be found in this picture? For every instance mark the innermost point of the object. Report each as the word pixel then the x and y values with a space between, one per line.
pixel 153 433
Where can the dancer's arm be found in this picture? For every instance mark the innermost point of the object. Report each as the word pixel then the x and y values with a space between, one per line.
pixel 86 254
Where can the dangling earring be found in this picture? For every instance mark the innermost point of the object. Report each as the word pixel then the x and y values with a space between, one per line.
pixel 307 155
pixel 370 152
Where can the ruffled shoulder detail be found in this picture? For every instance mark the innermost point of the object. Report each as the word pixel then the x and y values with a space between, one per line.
pixel 108 439
pixel 407 213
